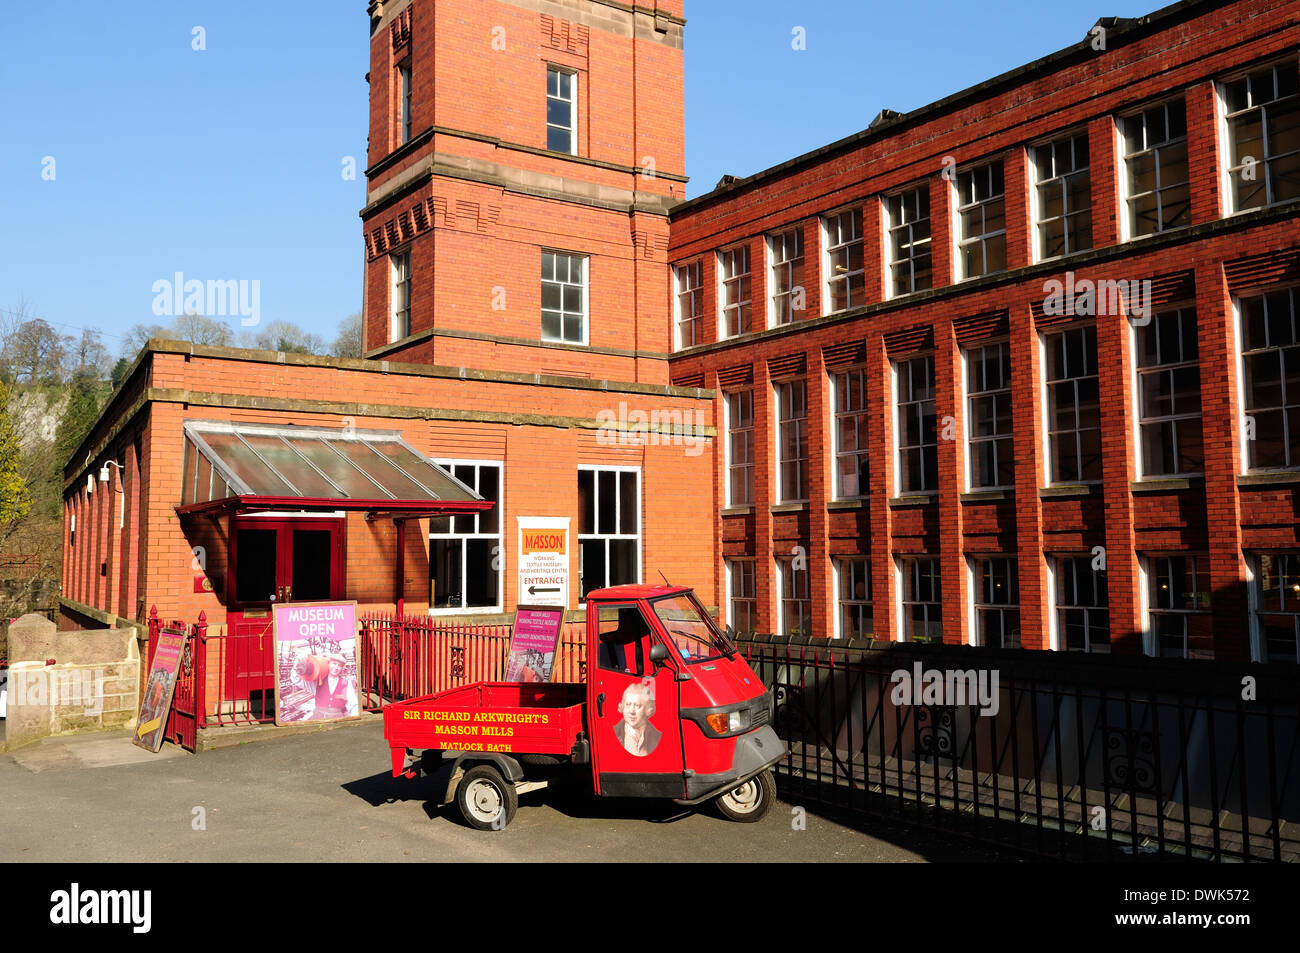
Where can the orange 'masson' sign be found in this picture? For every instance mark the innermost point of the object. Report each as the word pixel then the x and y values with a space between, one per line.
pixel 544 541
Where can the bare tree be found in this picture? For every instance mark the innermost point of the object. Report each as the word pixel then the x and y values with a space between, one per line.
pixel 284 336
pixel 199 329
pixel 351 338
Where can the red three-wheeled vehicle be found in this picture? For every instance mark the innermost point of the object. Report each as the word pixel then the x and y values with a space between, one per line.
pixel 669 710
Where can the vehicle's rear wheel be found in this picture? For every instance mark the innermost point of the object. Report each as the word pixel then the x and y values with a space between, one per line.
pixel 750 801
pixel 486 800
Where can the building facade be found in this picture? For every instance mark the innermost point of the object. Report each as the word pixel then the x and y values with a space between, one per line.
pixel 523 160
pixel 1016 368
pixel 1012 369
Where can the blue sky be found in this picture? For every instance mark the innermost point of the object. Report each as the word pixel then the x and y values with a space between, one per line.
pixel 226 162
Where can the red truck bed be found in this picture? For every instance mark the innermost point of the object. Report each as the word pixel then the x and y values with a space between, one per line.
pixel 511 717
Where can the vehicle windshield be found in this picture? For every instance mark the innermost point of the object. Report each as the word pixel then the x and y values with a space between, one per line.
pixel 694 634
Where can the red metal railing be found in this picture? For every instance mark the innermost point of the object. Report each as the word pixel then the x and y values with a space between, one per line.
pixel 403 657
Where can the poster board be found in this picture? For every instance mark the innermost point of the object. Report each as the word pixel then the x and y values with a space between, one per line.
pixel 533 641
pixel 156 702
pixel 315 662
pixel 543 560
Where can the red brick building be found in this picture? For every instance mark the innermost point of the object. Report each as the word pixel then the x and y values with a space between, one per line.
pixel 518 320
pixel 1013 368
pixel 1018 367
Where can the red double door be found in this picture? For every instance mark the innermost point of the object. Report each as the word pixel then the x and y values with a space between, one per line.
pixel 273 560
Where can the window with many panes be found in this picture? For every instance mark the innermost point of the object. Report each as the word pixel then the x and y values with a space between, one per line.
pixel 561 110
pixel 1082 609
pixel 1073 422
pixel 740 448
pixel 793 578
pixel 787 291
pixel 690 304
pixel 1276 604
pixel 1262 111
pixel 918 461
pixel 922 595
pixel 564 297
pixel 853 584
pixel 997 602
pixel 737 308
pixel 1064 196
pixel 742 606
pixel 988 404
pixel 1157 189
pixel 852 466
pixel 1178 604
pixel 465 550
pixel 843 261
pixel 908 220
pixel 1270 380
pixel 609 527
pixel 1169 395
pixel 399 325
pixel 792 440
pixel 981 221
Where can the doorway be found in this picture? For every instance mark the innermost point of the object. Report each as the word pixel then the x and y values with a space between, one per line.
pixel 272 560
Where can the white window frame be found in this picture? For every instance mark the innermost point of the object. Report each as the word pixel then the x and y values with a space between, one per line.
pixel 837 452
pixel 1035 183
pixel 896 396
pixel 785 564
pixel 890 227
pixel 727 398
pixel 973 600
pixel 838 569
pixel 730 566
pixel 695 292
pixel 1239 345
pixel 959 241
pixel 1139 456
pixel 586 290
pixel 404 102
pixel 901 569
pixel 1054 628
pixel 640 520
pixel 739 278
pixel 1150 638
pixel 399 319
pixel 449 464
pixel 1047 405
pixel 1127 231
pixel 770 244
pixel 828 249
pixel 572 128
pixel 1229 194
pixel 805 472
pixel 970 438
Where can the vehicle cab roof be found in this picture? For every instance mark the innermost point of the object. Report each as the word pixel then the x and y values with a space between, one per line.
pixel 627 593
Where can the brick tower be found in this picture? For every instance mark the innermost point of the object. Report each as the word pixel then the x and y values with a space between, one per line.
pixel 523 159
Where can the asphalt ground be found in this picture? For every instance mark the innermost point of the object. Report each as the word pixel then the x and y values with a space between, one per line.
pixel 329 797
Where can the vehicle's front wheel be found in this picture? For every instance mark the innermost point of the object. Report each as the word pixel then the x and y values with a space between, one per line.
pixel 486 800
pixel 750 801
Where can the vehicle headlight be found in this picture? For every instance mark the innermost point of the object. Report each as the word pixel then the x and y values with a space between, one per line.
pixel 738 720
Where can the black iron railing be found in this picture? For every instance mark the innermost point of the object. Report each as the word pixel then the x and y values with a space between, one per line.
pixel 1057 754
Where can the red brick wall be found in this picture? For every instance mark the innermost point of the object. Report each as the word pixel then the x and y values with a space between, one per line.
pixel 1213 518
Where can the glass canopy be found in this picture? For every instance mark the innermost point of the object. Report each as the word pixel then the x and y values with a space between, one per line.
pixel 256 464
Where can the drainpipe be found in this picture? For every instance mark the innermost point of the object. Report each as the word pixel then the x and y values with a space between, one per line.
pixel 401 567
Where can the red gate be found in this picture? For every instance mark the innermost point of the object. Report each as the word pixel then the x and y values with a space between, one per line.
pixel 182 720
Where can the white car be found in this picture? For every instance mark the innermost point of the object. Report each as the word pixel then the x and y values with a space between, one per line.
pixel 4 690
